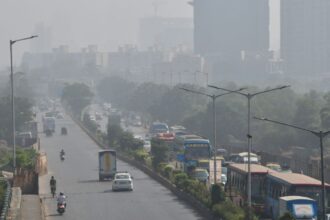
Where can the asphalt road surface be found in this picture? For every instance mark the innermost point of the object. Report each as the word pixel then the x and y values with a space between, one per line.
pixel 90 199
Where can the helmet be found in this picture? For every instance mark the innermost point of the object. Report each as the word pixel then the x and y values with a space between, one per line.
pixel 61 194
pixel 52 177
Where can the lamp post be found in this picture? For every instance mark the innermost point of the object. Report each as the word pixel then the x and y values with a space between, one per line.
pixel 249 96
pixel 320 134
pixel 213 97
pixel 11 42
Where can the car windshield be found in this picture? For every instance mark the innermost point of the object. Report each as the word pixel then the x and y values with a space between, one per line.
pixel 120 177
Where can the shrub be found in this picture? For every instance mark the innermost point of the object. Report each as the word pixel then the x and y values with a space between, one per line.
pixel 140 155
pixel 217 194
pixel 180 180
pixel 167 171
pixel 228 211
pixel 160 167
pixel 287 216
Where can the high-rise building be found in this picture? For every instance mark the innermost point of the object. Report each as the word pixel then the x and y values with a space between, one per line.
pixel 222 26
pixel 165 32
pixel 43 44
pixel 305 36
pixel 233 36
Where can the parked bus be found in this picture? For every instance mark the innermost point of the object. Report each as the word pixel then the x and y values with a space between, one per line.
pixel 288 184
pixel 237 181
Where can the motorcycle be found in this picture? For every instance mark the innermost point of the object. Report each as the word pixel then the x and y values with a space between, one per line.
pixel 61 208
pixel 62 157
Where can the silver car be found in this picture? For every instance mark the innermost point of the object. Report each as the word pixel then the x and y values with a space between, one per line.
pixel 122 181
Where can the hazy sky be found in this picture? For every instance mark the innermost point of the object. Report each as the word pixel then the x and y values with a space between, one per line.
pixel 107 23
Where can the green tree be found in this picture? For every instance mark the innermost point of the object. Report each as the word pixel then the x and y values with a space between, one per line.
pixel 114 132
pixel 23 113
pixel 116 90
pixel 77 96
pixel 159 151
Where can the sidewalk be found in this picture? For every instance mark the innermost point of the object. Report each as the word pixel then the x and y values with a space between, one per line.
pixel 31 207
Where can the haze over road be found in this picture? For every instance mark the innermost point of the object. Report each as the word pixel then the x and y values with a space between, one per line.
pixel 88 198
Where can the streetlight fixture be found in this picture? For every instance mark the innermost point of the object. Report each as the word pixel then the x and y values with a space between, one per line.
pixel 11 42
pixel 213 97
pixel 249 96
pixel 320 134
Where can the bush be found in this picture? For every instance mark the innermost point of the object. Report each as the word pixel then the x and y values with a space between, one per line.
pixel 140 155
pixel 287 216
pixel 217 194
pixel 228 211
pixel 2 194
pixel 167 171
pixel 180 180
pixel 26 158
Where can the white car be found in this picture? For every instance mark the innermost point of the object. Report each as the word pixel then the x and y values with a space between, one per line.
pixel 122 181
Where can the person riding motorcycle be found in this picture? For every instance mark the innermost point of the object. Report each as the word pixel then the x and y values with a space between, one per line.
pixel 61 199
pixel 52 184
pixel 62 153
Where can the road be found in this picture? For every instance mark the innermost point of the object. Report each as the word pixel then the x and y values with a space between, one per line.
pixel 90 199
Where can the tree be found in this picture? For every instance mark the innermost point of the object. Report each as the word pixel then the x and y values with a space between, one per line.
pixel 114 132
pixel 159 151
pixel 77 96
pixel 23 113
pixel 116 90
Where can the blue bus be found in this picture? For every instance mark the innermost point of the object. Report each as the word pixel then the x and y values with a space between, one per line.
pixel 194 150
pixel 280 184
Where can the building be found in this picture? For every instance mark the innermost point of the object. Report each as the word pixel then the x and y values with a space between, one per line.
pixel 305 37
pixel 233 36
pixel 165 32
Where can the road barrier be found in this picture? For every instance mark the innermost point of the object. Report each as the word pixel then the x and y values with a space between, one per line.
pixel 7 199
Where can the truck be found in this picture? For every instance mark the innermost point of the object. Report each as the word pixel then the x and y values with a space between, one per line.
pixel 107 164
pixel 299 206
pixel 48 124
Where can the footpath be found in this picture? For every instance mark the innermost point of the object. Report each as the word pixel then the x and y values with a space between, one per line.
pixel 31 208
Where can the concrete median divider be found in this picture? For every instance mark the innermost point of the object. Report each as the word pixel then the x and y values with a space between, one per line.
pixel 189 199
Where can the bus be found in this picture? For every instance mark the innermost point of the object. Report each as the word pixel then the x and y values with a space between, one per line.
pixel 279 184
pixel 236 186
pixel 194 150
pixel 243 158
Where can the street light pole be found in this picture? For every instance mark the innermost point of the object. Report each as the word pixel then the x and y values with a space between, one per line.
pixel 11 42
pixel 213 97
pixel 249 96
pixel 320 135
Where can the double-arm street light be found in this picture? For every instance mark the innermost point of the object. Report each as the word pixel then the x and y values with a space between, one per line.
pixel 249 96
pixel 213 97
pixel 11 42
pixel 320 134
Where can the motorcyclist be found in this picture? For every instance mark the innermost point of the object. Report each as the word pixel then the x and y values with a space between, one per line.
pixel 52 184
pixel 61 199
pixel 62 153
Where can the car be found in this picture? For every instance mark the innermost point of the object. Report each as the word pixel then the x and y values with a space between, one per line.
pixel 200 174
pixel 122 181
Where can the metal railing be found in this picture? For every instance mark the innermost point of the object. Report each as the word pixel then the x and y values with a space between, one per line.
pixel 6 201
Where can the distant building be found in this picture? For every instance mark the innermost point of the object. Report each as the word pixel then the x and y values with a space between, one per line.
pixel 44 42
pixel 305 36
pixel 233 36
pixel 165 32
